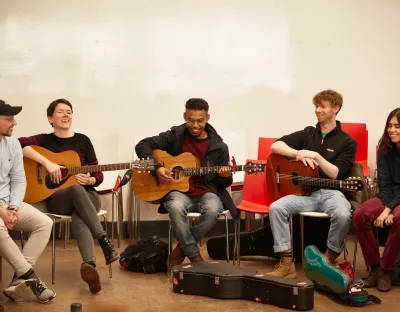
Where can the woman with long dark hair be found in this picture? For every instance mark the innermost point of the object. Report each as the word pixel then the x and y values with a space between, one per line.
pixel 382 209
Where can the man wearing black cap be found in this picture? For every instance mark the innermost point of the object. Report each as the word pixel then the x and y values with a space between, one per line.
pixel 19 216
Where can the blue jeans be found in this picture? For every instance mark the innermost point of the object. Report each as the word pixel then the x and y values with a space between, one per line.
pixel 178 205
pixel 331 202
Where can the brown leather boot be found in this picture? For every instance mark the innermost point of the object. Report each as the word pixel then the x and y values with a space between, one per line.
pixel 384 280
pixel 372 279
pixel 284 268
pixel 196 259
pixel 176 257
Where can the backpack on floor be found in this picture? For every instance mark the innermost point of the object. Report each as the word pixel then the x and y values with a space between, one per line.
pixel 149 255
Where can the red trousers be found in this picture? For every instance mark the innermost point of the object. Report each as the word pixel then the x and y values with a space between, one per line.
pixel 363 219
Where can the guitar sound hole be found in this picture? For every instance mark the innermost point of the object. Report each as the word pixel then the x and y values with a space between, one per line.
pixel 294 179
pixel 177 172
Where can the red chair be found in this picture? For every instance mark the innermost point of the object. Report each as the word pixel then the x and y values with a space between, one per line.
pixel 359 132
pixel 255 196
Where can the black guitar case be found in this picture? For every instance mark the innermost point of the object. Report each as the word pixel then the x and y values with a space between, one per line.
pixel 261 241
pixel 225 281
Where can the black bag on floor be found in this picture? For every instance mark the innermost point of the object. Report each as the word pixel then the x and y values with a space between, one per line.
pixel 149 255
pixel 261 241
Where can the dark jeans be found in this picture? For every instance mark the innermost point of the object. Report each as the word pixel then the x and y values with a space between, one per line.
pixel 363 219
pixel 83 206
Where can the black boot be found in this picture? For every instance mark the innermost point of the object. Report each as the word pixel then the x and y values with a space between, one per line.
pixel 108 249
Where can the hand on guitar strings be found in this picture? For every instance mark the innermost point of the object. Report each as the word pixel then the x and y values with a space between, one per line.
pixel 55 172
pixel 225 172
pixel 163 175
pixel 308 158
pixel 83 178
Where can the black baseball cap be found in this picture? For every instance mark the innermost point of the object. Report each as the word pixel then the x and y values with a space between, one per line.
pixel 8 110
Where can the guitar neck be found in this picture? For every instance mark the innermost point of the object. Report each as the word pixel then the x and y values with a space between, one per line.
pixel 207 170
pixel 98 168
pixel 319 182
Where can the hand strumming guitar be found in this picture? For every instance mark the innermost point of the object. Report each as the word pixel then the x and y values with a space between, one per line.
pixel 163 175
pixel 54 171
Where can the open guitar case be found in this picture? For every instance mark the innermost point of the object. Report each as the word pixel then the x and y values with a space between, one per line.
pixel 226 281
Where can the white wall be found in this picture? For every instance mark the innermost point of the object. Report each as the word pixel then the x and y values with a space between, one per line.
pixel 129 66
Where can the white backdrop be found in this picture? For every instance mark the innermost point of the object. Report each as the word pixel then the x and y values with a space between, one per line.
pixel 129 66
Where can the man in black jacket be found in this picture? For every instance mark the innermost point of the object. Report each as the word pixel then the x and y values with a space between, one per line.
pixel 333 151
pixel 207 194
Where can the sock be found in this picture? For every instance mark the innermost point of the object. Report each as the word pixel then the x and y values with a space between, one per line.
pixel 332 254
pixel 28 275
pixel 286 253
pixel 91 263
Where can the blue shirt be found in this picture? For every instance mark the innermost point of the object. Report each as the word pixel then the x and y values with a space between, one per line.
pixel 12 173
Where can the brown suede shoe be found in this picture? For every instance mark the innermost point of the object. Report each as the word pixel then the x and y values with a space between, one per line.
pixel 196 259
pixel 372 279
pixel 384 280
pixel 285 268
pixel 176 257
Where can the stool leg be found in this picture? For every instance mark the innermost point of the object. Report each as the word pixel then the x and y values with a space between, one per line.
pixel 227 238
pixel 117 217
pixel 66 227
pixel 22 240
pixel 112 215
pixel 236 249
pixel 53 253
pixel 302 239
pixel 291 235
pixel 169 249
pixel 355 253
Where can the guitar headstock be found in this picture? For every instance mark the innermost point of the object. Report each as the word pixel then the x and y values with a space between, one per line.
pixel 144 165
pixel 353 183
pixel 254 166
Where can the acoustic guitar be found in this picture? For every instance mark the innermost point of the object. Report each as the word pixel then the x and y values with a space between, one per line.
pixel 285 177
pixel 39 185
pixel 147 187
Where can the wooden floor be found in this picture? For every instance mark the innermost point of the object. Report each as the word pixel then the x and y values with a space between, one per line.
pixel 153 292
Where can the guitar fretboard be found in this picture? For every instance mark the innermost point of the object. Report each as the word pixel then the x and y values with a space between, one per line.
pixel 98 168
pixel 207 170
pixel 318 182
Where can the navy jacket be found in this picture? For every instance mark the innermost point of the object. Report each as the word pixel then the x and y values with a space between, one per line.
pixel 172 141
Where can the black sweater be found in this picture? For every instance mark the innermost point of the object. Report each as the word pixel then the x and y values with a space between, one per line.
pixel 389 177
pixel 338 147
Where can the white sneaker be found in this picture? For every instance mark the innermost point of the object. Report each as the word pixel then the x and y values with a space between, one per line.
pixel 42 293
pixel 16 289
